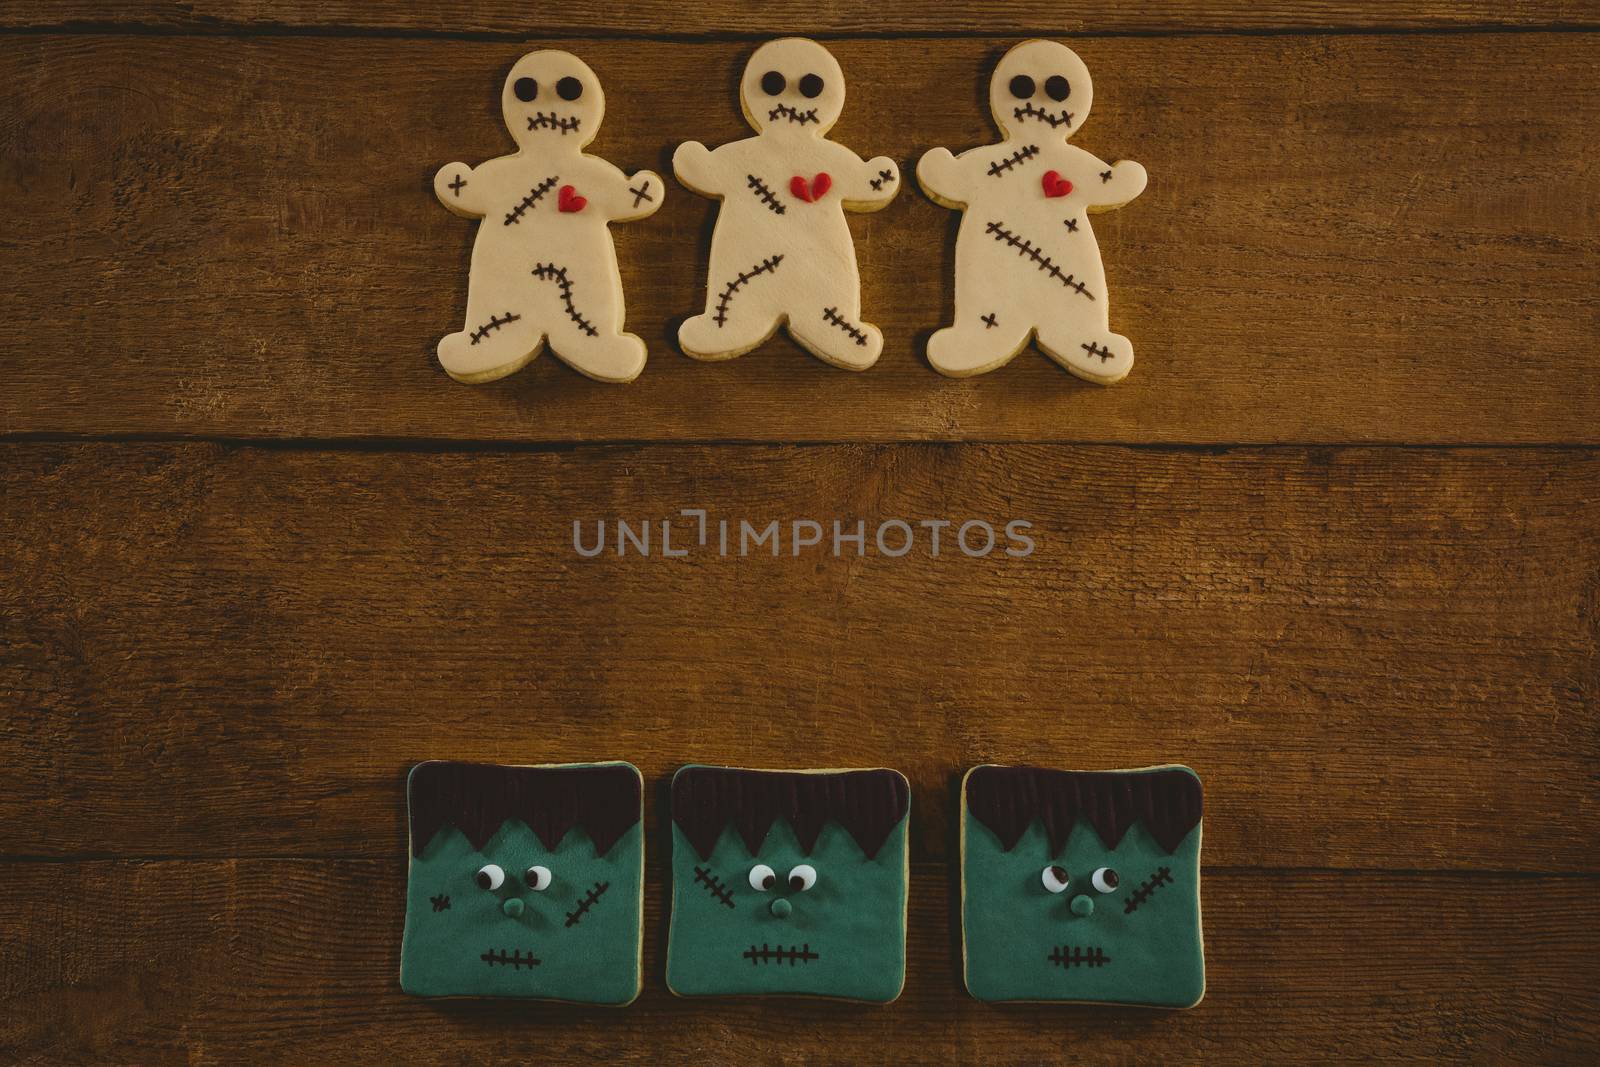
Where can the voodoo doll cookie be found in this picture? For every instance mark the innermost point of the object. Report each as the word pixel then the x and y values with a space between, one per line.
pixel 788 882
pixel 524 882
pixel 1027 265
pixel 781 251
pixel 1082 885
pixel 543 266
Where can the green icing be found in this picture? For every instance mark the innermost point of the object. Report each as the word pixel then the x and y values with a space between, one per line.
pixel 853 919
pixel 1012 924
pixel 595 959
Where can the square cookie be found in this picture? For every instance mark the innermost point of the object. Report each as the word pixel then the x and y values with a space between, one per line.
pixel 524 882
pixel 1082 885
pixel 788 882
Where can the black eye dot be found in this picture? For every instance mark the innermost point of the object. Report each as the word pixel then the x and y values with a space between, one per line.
pixel 526 89
pixel 810 86
pixel 1022 87
pixel 772 83
pixel 569 88
pixel 1109 877
pixel 1058 87
pixel 1060 873
pixel 484 880
pixel 770 880
pixel 796 882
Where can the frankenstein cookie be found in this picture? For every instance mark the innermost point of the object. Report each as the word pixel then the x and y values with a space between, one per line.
pixel 524 882
pixel 1082 885
pixel 789 882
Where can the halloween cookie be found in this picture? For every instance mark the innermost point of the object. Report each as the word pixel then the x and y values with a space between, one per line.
pixel 524 882
pixel 788 882
pixel 1082 885
pixel 1027 264
pixel 781 251
pixel 543 267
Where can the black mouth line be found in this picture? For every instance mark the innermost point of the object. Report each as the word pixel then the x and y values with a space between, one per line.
pixel 1163 876
pixel 793 114
pixel 791 955
pixel 549 120
pixel 589 900
pixel 516 960
pixel 1069 956
pixel 713 885
pixel 1028 111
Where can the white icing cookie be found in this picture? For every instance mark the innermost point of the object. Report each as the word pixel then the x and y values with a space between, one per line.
pixel 781 251
pixel 1027 265
pixel 543 266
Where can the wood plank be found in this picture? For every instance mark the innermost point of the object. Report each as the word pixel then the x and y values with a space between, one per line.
pixel 1368 238
pixel 662 18
pixel 1371 656
pixel 289 959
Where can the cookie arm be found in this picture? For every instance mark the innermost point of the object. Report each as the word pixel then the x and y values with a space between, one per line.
pixel 1127 180
pixel 694 166
pixel 623 198
pixel 869 185
pixel 456 190
pixel 944 178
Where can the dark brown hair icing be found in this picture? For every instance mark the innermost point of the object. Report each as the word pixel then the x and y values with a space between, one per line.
pixel 1166 801
pixel 869 804
pixel 477 799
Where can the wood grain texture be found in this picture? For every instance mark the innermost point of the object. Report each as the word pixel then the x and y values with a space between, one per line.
pixel 295 961
pixel 663 18
pixel 1347 239
pixel 1375 658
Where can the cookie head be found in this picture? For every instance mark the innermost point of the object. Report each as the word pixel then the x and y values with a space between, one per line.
pixel 792 85
pixel 1040 89
pixel 552 99
pixel 1082 886
pixel 524 882
pixel 788 883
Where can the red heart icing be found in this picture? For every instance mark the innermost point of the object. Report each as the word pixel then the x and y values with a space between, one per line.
pixel 568 200
pixel 1055 185
pixel 818 189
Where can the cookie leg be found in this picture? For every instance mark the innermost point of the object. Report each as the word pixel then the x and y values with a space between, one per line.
pixel 834 334
pixel 497 342
pixel 617 357
pixel 1095 356
pixel 710 338
pixel 978 343
pixel 741 307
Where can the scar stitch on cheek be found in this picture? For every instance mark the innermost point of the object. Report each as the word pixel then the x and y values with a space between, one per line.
pixel 713 885
pixel 1017 158
pixel 765 194
pixel 528 202
pixel 1028 111
pixel 550 272
pixel 1163 876
pixel 793 114
pixel 549 120
pixel 589 900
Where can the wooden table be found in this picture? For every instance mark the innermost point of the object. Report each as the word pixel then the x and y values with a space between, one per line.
pixel 1335 543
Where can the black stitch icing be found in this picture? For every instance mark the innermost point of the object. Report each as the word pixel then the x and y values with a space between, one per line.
pixel 1163 876
pixel 1015 159
pixel 440 902
pixel 549 120
pixel 765 194
pixel 779 954
pixel 549 271
pixel 990 321
pixel 1105 176
pixel 766 266
pixel 884 177
pixel 833 318
pixel 1098 350
pixel 1069 956
pixel 793 114
pixel 713 885
pixel 589 900
pixel 642 193
pixel 1028 250
pixel 1072 225
pixel 534 196
pixel 1029 111
pixel 457 184
pixel 493 324
pixel 516 960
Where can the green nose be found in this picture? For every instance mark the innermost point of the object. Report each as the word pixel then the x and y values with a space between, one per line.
pixel 1082 906
pixel 512 906
pixel 781 908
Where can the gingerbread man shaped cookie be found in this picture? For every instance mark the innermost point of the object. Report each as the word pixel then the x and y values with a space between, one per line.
pixel 781 251
pixel 543 266
pixel 1027 265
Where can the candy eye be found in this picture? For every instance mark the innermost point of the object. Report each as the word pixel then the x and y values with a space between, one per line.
pixel 1057 87
pixel 569 88
pixel 490 876
pixel 802 878
pixel 526 89
pixel 772 83
pixel 763 877
pixel 1055 879
pixel 538 878
pixel 1022 87
pixel 810 86
pixel 1105 880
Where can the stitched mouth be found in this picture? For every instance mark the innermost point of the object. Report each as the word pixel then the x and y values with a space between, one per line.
pixel 784 111
pixel 1070 956
pixel 790 955
pixel 1028 111
pixel 549 120
pixel 514 959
